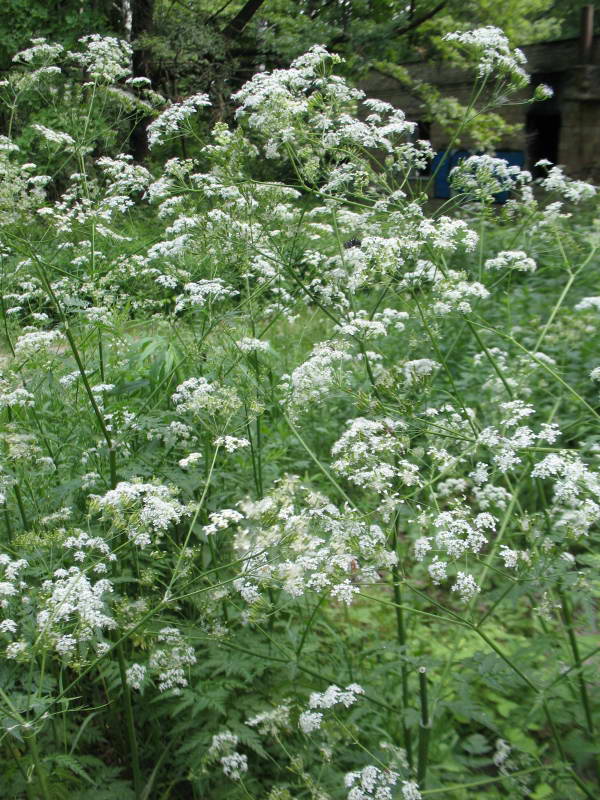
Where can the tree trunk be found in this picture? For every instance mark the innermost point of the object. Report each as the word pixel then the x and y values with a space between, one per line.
pixel 140 21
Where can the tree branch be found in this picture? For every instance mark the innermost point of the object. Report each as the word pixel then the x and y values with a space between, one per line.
pixel 242 18
pixel 400 31
pixel 415 23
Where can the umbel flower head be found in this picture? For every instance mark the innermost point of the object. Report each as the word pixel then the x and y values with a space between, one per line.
pixel 298 539
pixel 308 110
pixel 490 48
pixel 143 510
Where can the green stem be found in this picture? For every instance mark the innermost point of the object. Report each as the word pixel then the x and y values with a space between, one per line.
pixel 133 747
pixel 101 357
pixel 485 781
pixel 17 488
pixel 323 469
pixel 17 760
pixel 213 555
pixel 259 456
pixel 424 729
pixel 252 456
pixel 567 672
pixel 491 359
pixel 458 131
pixel 438 352
pixel 39 767
pixel 370 374
pixel 21 505
pixel 309 624
pixel 109 443
pixel 8 524
pixel 544 366
pixel 585 701
pixel 505 658
pixel 547 712
pixel 401 635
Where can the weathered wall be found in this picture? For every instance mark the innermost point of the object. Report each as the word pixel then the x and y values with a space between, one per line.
pixel 572 116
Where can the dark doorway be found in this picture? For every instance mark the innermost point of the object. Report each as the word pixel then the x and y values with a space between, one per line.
pixel 543 124
pixel 543 136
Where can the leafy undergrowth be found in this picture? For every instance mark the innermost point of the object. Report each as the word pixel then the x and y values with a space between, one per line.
pixel 299 484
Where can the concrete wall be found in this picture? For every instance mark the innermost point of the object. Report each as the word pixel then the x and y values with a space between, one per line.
pixel 572 116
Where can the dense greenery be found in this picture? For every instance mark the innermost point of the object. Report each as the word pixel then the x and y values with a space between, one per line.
pixel 192 45
pixel 299 475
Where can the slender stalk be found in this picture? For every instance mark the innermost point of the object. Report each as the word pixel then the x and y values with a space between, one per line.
pixel 544 366
pixel 133 747
pixel 323 469
pixel 454 787
pixel 101 357
pixel 8 523
pixel 546 709
pixel 109 443
pixel 401 635
pixel 21 505
pixel 74 350
pixel 568 671
pixel 424 729
pixel 491 359
pixel 252 455
pixel 213 555
pixel 17 760
pixel 585 700
pixel 438 352
pixel 17 488
pixel 474 97
pixel 200 505
pixel 259 455
pixel 370 374
pixel 309 624
pixel 39 767
pixel 505 658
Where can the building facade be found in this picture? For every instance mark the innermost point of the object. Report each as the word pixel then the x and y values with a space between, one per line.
pixel 564 129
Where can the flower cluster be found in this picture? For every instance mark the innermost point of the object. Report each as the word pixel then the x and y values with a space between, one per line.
pixel 311 720
pixel 196 395
pixel 12 589
pixel 455 534
pixel 143 511
pixel 286 103
pixel 572 190
pixel 270 723
pixel 73 602
pixel 313 380
pixel 220 520
pixel 105 59
pixel 168 124
pixel 512 259
pixel 481 177
pixel 369 454
pixel 372 782
pixel 358 324
pixel 168 661
pixel 14 396
pixel 176 340
pixel 576 492
pixel 415 371
pixel 200 293
pixel 491 48
pixel 223 749
pixel 510 436
pixel 297 539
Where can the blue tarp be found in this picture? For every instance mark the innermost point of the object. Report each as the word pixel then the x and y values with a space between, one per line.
pixel 441 185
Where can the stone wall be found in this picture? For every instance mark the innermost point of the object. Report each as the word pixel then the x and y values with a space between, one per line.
pixel 567 126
